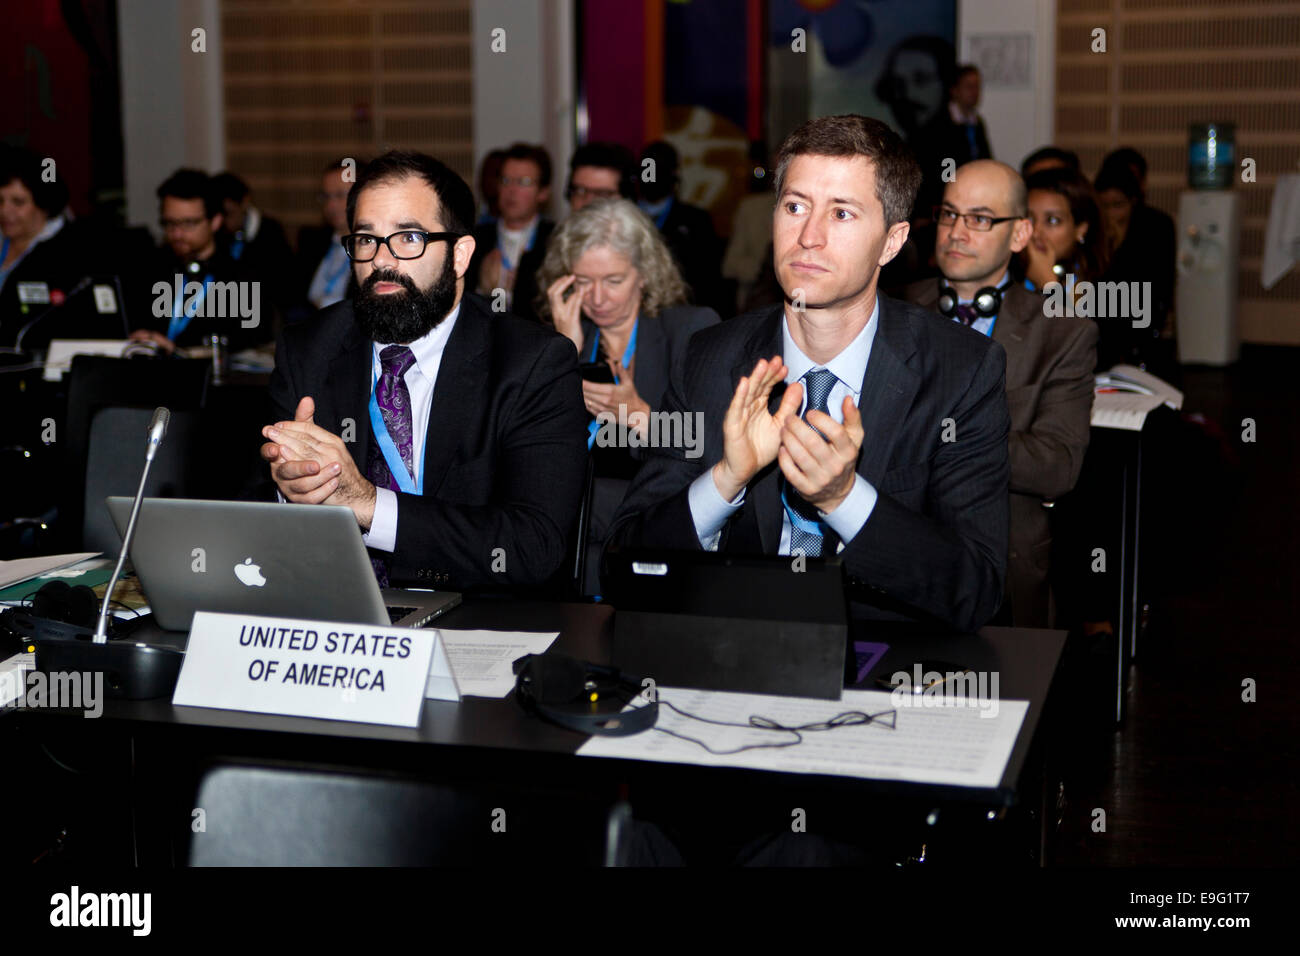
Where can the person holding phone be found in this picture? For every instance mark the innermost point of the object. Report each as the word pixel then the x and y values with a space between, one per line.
pixel 613 289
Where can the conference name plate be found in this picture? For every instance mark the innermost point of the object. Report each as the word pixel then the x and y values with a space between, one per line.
pixel 376 674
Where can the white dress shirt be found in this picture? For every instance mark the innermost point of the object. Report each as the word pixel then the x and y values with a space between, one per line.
pixel 420 379
pixel 708 509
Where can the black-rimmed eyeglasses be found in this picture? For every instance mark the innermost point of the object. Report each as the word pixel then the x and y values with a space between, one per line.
pixel 977 221
pixel 407 244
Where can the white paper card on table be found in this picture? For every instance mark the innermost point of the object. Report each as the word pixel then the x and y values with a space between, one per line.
pixel 59 356
pixel 441 683
pixel 483 661
pixel 965 744
pixel 24 569
pixel 367 673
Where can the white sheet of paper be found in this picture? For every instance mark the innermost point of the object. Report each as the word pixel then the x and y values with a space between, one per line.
pixel 58 359
pixel 946 743
pixel 23 569
pixel 1123 410
pixel 481 660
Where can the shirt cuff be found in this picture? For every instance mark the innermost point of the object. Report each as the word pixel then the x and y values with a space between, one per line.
pixel 382 535
pixel 847 520
pixel 709 511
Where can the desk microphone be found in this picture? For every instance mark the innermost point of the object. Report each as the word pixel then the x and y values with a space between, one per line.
pixel 157 429
pixel 77 289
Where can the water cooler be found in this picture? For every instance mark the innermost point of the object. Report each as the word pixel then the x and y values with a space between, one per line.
pixel 1209 220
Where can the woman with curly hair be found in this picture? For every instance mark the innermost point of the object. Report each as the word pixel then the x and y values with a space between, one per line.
pixel 612 287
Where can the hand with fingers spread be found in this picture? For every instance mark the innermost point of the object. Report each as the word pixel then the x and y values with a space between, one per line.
pixel 822 470
pixel 751 435
pixel 313 466
pixel 566 314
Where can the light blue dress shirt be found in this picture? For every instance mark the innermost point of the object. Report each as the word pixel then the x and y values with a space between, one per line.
pixel 708 509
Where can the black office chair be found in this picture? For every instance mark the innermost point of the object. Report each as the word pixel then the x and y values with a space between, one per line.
pixel 282 815
pixel 115 458
pixel 97 383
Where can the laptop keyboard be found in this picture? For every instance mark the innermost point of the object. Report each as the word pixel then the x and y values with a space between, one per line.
pixel 395 614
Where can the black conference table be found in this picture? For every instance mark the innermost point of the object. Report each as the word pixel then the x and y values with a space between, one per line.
pixel 151 754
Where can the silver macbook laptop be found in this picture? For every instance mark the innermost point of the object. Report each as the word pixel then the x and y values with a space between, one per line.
pixel 262 558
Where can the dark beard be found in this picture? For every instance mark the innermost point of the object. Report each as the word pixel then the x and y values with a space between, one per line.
pixel 403 317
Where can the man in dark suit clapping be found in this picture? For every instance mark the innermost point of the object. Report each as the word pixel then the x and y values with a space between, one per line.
pixel 889 442
pixel 455 434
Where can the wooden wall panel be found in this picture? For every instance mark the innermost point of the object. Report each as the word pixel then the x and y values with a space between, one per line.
pixel 307 81
pixel 1170 63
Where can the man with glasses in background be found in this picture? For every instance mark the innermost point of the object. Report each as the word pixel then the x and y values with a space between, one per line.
pixel 600 171
pixel 982 221
pixel 454 433
pixel 201 278
pixel 509 251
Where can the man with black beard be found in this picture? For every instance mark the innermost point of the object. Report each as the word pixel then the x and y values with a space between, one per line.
pixel 455 434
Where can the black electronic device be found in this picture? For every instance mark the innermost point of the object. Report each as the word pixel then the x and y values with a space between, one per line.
pixel 597 372
pixel 750 624
pixel 582 696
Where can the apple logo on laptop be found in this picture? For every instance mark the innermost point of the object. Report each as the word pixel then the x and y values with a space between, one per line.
pixel 250 573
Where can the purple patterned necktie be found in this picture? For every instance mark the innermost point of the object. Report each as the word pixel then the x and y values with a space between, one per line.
pixel 966 314
pixel 394 400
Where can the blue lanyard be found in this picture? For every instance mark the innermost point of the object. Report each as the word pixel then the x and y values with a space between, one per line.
pixel 237 246
pixel 506 263
pixel 181 320
pixel 628 353
pixel 396 466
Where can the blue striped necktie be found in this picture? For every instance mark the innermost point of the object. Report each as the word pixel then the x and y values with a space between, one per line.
pixel 808 533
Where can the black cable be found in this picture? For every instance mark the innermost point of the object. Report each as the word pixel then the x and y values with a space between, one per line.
pixel 850 718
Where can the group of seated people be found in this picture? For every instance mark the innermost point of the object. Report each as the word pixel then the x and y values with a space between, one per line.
pixel 917 437
pixel 917 440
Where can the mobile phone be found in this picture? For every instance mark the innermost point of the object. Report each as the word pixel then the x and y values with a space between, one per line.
pixel 597 372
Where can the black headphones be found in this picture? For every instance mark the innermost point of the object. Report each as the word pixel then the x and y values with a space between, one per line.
pixel 581 696
pixel 987 301
pixel 58 601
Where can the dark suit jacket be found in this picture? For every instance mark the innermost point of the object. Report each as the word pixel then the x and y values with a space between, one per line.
pixel 59 262
pixel 938 140
pixel 270 260
pixel 504 456
pixel 936 543
pixel 223 269
pixel 1147 254
pixel 690 236
pixel 1049 397
pixel 530 263
pixel 660 345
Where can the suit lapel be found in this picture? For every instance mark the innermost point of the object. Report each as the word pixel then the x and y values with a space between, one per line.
pixel 1011 331
pixel 349 377
pixel 887 390
pixel 460 375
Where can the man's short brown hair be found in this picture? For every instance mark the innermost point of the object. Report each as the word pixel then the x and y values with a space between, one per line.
pixel 897 174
